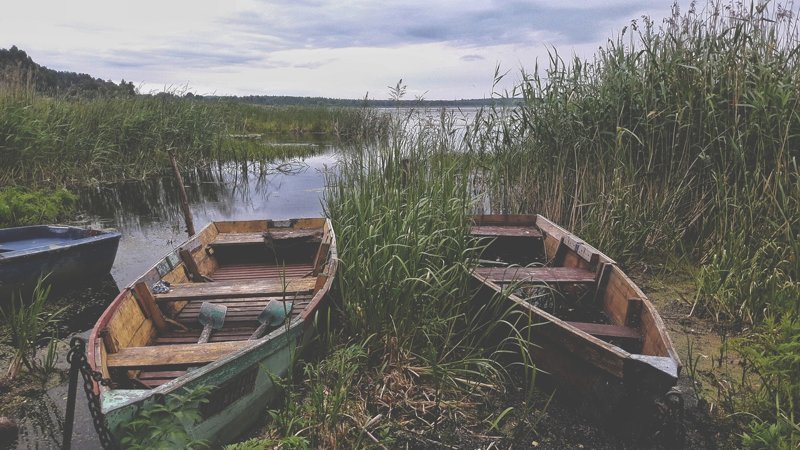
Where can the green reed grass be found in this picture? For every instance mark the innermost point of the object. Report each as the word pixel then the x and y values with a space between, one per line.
pixel 49 141
pixel 674 139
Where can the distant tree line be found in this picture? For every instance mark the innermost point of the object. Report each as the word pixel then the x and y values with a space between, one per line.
pixel 285 100
pixel 19 71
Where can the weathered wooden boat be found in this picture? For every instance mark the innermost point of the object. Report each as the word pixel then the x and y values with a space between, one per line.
pixel 66 254
pixel 146 342
pixel 590 326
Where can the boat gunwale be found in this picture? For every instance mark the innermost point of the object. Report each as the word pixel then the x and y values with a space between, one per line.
pixel 102 236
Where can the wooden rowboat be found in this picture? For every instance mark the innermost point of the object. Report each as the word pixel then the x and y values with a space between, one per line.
pixel 592 328
pixel 67 255
pixel 146 342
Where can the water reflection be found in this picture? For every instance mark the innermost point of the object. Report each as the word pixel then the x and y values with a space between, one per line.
pixel 148 214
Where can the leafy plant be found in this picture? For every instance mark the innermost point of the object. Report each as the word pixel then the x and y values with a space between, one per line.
pixel 163 422
pixel 26 323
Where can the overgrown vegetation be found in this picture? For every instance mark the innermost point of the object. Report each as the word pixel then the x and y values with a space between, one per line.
pixel 162 424
pixel 26 323
pixel 57 141
pixel 677 141
pixel 27 207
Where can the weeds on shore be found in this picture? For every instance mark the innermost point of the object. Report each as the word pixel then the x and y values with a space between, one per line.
pixel 26 323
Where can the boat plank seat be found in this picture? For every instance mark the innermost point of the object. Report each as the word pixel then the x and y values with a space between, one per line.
pixel 604 330
pixel 508 231
pixel 237 239
pixel 229 272
pixel 544 275
pixel 175 354
pixel 236 289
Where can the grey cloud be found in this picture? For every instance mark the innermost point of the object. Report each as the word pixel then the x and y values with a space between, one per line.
pixel 472 58
pixel 177 56
pixel 335 25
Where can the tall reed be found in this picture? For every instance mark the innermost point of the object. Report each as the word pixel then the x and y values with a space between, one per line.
pixel 674 139
pixel 678 140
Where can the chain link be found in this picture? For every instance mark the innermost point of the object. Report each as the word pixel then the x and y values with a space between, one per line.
pixel 77 354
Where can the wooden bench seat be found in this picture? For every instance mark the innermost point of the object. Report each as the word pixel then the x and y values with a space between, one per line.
pixel 252 271
pixel 235 239
pixel 237 289
pixel 603 330
pixel 510 231
pixel 169 355
pixel 546 275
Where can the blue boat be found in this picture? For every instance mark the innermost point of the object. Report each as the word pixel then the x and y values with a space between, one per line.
pixel 70 255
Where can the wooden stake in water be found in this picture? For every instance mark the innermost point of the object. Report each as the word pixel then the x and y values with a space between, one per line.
pixel 187 213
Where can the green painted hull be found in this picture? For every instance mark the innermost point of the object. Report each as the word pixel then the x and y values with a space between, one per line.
pixel 232 412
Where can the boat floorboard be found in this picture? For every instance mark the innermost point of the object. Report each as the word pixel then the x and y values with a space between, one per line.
pixel 238 312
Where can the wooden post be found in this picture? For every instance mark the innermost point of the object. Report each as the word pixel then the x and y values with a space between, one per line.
pixel 149 307
pixel 187 213
pixel 191 266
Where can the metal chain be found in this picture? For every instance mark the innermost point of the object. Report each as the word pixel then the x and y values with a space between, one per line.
pixel 77 354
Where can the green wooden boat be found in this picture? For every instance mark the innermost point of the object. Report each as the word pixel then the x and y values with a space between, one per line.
pixel 146 342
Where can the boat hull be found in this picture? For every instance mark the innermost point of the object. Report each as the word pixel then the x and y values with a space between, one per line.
pixel 623 362
pixel 69 256
pixel 244 265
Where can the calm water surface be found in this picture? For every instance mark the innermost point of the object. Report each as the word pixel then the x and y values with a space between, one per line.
pixel 149 217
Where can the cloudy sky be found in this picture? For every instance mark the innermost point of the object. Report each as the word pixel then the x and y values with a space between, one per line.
pixel 334 48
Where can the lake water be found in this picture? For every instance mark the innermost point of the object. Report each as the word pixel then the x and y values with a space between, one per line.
pixel 149 217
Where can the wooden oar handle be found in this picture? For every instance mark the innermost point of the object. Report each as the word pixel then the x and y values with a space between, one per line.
pixel 259 331
pixel 205 335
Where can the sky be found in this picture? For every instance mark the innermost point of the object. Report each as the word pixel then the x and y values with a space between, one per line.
pixel 339 48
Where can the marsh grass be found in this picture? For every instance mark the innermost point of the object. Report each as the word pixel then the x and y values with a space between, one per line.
pixel 412 357
pixel 677 141
pixel 53 141
pixel 27 207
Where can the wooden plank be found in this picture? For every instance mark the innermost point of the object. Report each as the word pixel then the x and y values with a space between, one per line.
pixel 633 317
pixel 321 257
pixel 191 266
pixel 509 231
pixel 536 274
pixel 504 219
pixel 606 330
pixel 236 289
pixel 149 307
pixel 234 239
pixel 177 354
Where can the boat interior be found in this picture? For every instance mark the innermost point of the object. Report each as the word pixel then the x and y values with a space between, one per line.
pixel 568 281
pixel 223 290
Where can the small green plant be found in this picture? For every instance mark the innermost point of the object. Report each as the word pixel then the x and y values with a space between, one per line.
pixel 163 422
pixel 26 323
pixel 772 354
